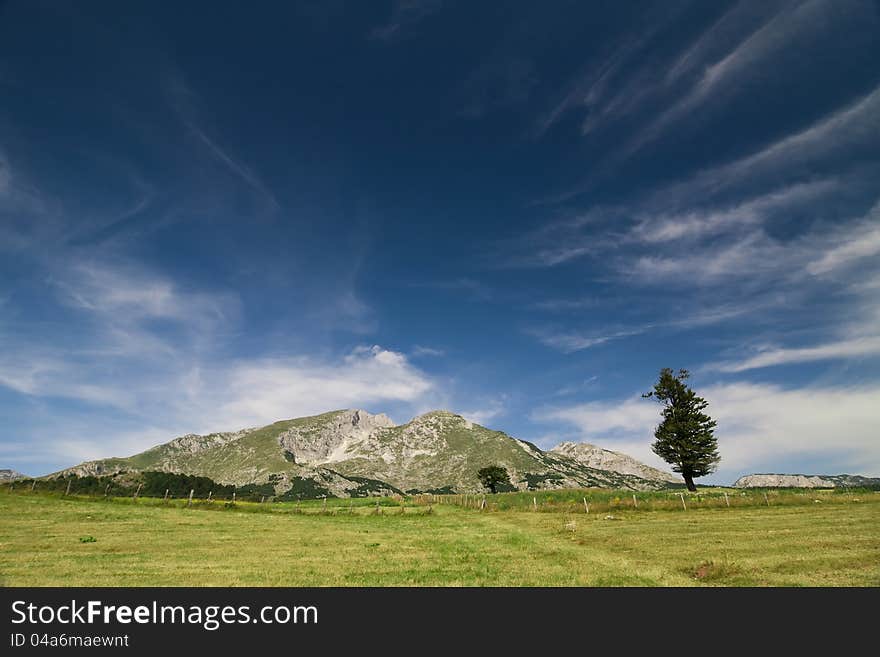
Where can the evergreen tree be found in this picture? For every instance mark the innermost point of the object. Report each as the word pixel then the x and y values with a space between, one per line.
pixel 685 438
pixel 494 476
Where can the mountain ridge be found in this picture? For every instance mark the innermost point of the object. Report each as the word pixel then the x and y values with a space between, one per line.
pixel 353 452
pixel 775 480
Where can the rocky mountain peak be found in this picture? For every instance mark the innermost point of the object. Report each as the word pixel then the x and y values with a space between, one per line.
pixel 362 419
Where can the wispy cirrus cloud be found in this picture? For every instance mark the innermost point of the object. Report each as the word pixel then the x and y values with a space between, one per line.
pixel 573 340
pixel 134 294
pixel 853 347
pixel 853 130
pixel 785 26
pixel 419 351
pixel 705 222
pixel 723 60
pixel 569 341
pixel 861 243
pixel 733 197
pixel 185 101
pixel 757 254
pixel 602 88
pixel 405 15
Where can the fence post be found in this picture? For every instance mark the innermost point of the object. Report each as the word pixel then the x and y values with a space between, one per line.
pixel 33 485
pixel 233 497
pixel 534 503
pixel 727 499
pixel 586 506
pixel 681 495
pixel 165 497
pixel 107 491
pixel 137 491
pixel 67 492
pixel 191 491
pixel 262 499
pixel 635 501
pixel 766 499
pixel 324 505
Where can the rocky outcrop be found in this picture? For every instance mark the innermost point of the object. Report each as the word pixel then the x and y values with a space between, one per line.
pixel 804 481
pixel 333 441
pixel 604 459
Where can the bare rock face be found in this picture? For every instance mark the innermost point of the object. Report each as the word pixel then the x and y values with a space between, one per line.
pixel 604 459
pixel 334 440
pixel 784 481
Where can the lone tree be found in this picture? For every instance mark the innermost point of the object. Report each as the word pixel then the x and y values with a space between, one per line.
pixel 493 476
pixel 685 438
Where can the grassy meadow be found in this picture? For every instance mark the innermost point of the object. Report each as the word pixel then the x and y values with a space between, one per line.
pixel 788 538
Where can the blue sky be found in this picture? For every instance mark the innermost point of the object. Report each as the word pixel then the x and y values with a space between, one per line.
pixel 215 216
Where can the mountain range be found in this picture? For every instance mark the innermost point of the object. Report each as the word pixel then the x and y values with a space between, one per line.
pixel 352 453
pixel 806 481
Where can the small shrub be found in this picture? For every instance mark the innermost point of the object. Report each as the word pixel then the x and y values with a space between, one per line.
pixel 88 539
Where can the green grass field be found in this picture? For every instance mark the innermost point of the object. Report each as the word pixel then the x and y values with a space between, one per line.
pixel 521 539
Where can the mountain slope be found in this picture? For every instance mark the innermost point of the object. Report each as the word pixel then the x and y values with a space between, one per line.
pixel 352 452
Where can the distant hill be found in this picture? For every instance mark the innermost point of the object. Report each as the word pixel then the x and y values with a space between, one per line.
pixel 806 481
pixel 604 459
pixel 354 453
pixel 11 475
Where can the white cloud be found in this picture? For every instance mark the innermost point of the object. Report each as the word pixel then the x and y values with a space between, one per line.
pixel 488 412
pixel 853 127
pixel 571 341
pixel 726 36
pixel 853 245
pixel 202 398
pixel 855 347
pixel 701 223
pixel 761 427
pixel 130 295
pixel 48 375
pixel 264 390
pixel 796 23
pixel 419 351
pixel 757 254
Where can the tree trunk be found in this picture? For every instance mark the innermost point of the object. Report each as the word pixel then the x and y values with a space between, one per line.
pixel 689 481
